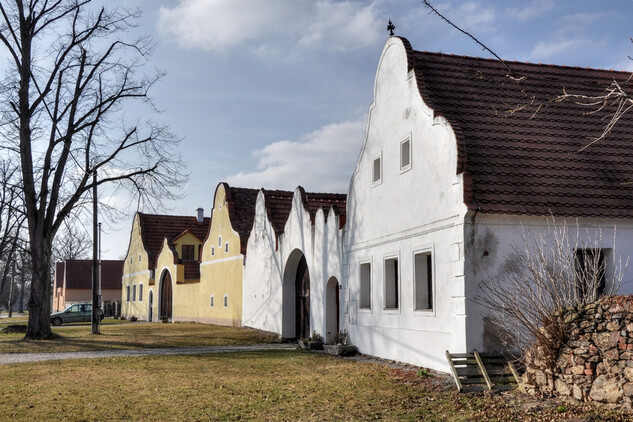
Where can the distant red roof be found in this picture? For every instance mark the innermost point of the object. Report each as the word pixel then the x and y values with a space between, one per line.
pixel 78 273
pixel 519 158
pixel 154 228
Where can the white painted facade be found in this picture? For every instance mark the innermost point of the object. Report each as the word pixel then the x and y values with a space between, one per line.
pixel 271 264
pixel 414 208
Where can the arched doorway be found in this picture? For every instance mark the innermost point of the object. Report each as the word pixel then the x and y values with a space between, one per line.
pixel 150 310
pixel 332 309
pixel 296 297
pixel 165 299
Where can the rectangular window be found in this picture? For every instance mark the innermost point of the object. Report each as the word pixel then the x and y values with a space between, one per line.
pixel 423 273
pixel 391 283
pixel 212 301
pixel 134 293
pixel 140 292
pixel 226 247
pixel 377 170
pixel 212 250
pixel 405 154
pixel 590 273
pixel 226 301
pixel 365 286
pixel 188 252
pixel 127 293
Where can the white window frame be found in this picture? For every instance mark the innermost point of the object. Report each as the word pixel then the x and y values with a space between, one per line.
pixel 133 292
pixel 365 309
pixel 391 310
pixel 373 161
pixel 407 167
pixel 140 292
pixel 424 312
pixel 127 293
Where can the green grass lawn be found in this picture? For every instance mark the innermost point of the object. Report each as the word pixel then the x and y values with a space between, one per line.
pixel 272 385
pixel 131 336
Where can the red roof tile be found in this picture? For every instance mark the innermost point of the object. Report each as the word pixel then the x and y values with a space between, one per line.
pixel 520 158
pixel 241 203
pixel 154 228
pixel 79 273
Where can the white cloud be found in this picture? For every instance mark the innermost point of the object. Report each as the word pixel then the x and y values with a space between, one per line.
pixel 215 25
pixel 321 161
pixel 532 10
pixel 550 50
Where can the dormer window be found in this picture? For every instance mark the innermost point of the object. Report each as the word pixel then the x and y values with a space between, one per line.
pixel 188 252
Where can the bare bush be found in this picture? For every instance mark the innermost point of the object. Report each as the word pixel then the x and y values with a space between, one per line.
pixel 550 271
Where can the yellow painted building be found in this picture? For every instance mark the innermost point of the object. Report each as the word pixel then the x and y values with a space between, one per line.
pixel 223 254
pixel 171 273
pixel 163 253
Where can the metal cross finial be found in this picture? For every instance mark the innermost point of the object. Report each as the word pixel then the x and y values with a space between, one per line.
pixel 390 28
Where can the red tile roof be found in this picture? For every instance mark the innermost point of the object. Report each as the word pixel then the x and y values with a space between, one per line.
pixel 519 158
pixel 154 228
pixel 79 273
pixel 241 203
pixel 315 201
pixel 278 205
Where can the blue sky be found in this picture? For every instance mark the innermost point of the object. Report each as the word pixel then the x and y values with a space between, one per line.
pixel 275 93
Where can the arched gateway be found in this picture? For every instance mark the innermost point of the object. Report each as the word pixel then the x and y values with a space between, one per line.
pixel 165 299
pixel 296 297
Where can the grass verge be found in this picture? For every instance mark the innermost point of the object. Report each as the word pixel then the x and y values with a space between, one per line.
pixel 273 385
pixel 73 338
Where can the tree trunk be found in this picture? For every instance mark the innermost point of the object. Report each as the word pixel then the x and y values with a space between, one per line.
pixel 39 304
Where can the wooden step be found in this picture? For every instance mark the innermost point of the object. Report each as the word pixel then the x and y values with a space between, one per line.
pixel 480 372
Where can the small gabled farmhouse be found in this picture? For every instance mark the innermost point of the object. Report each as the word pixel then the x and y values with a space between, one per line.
pixel 461 155
pixel 73 282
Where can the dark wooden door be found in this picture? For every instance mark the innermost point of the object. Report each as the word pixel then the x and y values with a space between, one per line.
pixel 165 297
pixel 302 288
pixel 151 306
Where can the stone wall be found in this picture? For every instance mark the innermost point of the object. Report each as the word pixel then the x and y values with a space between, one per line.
pixel 596 362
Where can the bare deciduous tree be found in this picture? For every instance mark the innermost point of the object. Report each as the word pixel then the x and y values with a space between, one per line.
pixel 70 77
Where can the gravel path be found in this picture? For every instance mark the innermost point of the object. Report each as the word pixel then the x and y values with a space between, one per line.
pixel 8 358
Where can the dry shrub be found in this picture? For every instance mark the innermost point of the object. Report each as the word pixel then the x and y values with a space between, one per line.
pixel 549 271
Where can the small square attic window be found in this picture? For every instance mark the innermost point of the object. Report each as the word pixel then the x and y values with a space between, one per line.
pixel 405 154
pixel 377 170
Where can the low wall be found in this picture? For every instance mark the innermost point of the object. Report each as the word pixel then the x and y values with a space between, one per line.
pixel 596 362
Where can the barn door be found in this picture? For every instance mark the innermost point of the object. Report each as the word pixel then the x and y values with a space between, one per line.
pixel 302 288
pixel 165 297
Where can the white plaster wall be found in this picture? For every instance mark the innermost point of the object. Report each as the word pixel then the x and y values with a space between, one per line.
pixel 418 209
pixel 265 267
pixel 491 241
pixel 263 271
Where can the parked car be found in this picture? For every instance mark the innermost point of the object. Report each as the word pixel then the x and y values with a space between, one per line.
pixel 79 312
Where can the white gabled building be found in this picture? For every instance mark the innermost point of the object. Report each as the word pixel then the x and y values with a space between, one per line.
pixel 460 156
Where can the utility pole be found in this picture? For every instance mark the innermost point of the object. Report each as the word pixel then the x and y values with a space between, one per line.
pixel 11 289
pixel 95 270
